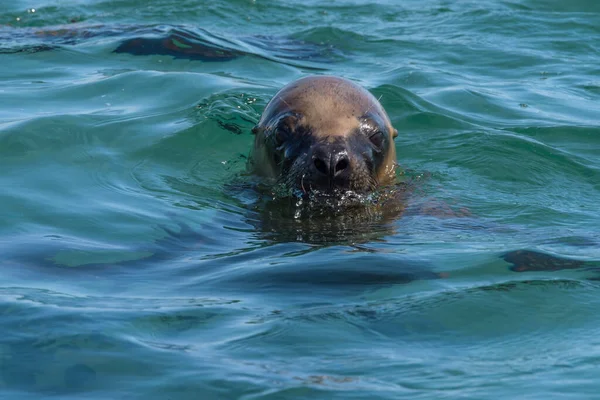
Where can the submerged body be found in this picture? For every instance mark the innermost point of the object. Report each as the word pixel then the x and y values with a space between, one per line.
pixel 325 134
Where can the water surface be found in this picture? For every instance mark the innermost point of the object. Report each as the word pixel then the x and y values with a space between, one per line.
pixel 137 261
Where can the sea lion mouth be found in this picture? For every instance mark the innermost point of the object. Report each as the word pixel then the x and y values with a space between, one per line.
pixel 302 181
pixel 325 201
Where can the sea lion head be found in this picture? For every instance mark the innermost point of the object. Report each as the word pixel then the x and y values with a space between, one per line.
pixel 325 134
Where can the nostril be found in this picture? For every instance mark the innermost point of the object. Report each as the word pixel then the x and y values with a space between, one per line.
pixel 321 166
pixel 341 165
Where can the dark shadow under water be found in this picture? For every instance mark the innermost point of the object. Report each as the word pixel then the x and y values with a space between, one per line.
pixel 179 42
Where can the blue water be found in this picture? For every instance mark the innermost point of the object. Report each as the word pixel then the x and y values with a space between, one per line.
pixel 139 260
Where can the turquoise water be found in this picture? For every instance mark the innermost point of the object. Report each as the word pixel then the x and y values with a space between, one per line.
pixel 138 261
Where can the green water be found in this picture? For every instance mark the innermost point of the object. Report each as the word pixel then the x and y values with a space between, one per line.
pixel 138 262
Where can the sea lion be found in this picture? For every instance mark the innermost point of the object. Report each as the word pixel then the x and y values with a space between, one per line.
pixel 325 134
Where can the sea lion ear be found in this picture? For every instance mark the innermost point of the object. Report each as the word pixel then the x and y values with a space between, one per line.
pixel 394 133
pixel 256 129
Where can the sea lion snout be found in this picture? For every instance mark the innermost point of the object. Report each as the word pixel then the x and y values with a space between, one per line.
pixel 330 166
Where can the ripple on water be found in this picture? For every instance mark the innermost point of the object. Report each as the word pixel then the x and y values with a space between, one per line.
pixel 139 261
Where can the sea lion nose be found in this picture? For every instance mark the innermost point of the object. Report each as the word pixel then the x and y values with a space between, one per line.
pixel 331 162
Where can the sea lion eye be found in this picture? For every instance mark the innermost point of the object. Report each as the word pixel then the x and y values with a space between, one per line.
pixel 281 135
pixel 377 139
pixel 372 128
pixel 282 131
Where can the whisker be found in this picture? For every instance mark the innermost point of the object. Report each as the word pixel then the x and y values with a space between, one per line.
pixel 302 183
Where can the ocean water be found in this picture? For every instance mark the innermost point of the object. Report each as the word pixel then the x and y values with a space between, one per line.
pixel 139 261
